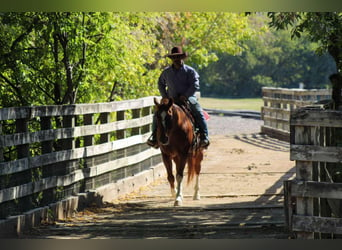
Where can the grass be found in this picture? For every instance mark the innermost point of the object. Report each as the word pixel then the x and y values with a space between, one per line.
pixel 232 104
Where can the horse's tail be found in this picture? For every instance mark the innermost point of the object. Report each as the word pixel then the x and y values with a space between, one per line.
pixel 191 166
pixel 194 163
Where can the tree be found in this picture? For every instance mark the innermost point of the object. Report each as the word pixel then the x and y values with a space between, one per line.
pixel 63 58
pixel 204 34
pixel 272 58
pixel 325 28
pixel 79 57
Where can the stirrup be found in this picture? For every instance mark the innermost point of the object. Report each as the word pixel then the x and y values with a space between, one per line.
pixel 204 141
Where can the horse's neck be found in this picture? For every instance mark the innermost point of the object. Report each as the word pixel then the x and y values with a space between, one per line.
pixel 176 112
pixel 179 114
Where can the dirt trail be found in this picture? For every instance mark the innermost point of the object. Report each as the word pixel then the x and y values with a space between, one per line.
pixel 241 188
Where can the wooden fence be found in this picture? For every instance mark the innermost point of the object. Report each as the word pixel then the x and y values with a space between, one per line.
pixel 278 104
pixel 49 153
pixel 313 199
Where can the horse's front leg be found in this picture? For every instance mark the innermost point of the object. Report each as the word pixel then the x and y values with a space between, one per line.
pixel 168 165
pixel 180 165
pixel 179 194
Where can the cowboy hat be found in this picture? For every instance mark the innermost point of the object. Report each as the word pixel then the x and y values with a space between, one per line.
pixel 177 52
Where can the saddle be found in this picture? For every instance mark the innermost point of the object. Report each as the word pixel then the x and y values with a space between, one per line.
pixel 185 106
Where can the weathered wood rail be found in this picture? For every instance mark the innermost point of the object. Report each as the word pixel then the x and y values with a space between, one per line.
pixel 313 199
pixel 51 153
pixel 278 104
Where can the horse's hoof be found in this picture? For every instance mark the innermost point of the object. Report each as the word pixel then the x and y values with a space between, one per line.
pixel 178 202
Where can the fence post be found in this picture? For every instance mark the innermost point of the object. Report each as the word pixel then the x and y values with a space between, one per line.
pixel 21 127
pixel 304 172
pixel 145 112
pixel 120 134
pixel 88 120
pixel 45 124
pixel 104 118
pixel 136 114
pixel 68 122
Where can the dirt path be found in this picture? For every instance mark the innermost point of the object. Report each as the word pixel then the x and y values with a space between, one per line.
pixel 241 188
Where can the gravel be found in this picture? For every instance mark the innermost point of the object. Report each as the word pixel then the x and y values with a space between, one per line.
pixel 233 125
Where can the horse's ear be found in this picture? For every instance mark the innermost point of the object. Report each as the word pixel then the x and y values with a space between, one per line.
pixel 156 102
pixel 170 102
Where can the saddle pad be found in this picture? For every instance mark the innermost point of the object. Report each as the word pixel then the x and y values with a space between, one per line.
pixel 206 115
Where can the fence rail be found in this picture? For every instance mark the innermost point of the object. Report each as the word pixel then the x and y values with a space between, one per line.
pixel 313 201
pixel 278 104
pixel 49 153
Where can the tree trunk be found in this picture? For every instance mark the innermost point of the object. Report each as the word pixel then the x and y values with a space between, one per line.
pixel 336 81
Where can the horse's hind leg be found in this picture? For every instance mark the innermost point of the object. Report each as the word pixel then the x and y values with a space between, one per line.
pixel 197 195
pixel 168 165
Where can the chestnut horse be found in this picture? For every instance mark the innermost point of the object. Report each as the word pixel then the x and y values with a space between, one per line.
pixel 176 137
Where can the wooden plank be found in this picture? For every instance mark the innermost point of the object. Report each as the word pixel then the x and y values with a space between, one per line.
pixel 276 133
pixel 64 133
pixel 316 189
pixel 317 224
pixel 66 155
pixel 315 153
pixel 287 101
pixel 304 171
pixel 78 109
pixel 315 118
pixel 293 91
pixel 77 175
pixel 277 110
pixel 288 204
pixel 270 118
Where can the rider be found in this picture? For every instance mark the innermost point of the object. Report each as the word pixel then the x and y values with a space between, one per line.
pixel 180 82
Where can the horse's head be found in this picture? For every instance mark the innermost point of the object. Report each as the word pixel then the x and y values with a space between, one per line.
pixel 164 119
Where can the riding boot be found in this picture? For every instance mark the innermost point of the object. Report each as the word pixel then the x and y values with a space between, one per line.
pixel 204 140
pixel 152 140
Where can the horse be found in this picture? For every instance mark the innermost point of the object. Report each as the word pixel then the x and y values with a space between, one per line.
pixel 176 137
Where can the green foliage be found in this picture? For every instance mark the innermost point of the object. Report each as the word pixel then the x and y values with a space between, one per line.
pixel 81 57
pixel 325 28
pixel 272 59
pixel 203 35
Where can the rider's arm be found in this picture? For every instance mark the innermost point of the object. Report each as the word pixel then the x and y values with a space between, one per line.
pixel 194 83
pixel 162 85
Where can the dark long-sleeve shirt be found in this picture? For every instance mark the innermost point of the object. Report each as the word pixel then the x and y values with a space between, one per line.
pixel 177 82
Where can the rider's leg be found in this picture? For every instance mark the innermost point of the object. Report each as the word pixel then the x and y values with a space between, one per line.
pixel 152 140
pixel 200 120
